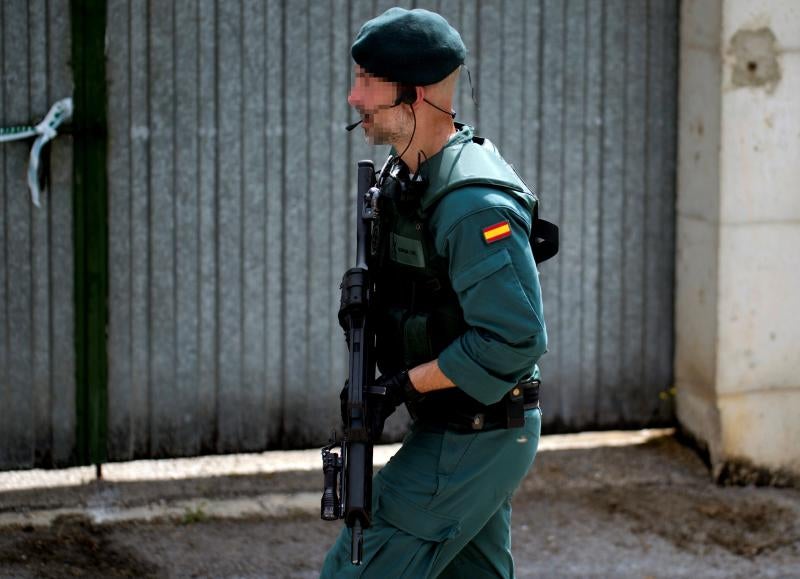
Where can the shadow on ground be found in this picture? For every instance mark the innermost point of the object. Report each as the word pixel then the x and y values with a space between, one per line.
pixel 647 510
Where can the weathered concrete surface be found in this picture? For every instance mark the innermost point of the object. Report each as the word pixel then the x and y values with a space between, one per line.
pixel 737 268
pixel 755 58
pixel 631 510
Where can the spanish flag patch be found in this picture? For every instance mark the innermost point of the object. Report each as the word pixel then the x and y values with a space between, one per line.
pixel 496 232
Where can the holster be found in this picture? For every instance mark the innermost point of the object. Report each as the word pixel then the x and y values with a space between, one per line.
pixel 521 397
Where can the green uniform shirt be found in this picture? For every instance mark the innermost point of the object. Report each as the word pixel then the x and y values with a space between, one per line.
pixel 497 285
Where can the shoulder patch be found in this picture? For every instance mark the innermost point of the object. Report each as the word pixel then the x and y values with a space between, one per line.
pixel 496 232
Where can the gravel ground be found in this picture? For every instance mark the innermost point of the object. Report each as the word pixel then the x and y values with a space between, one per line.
pixel 646 510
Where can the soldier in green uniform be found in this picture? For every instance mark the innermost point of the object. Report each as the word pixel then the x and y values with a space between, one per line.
pixel 460 324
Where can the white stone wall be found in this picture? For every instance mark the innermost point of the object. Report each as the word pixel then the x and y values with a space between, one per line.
pixel 738 265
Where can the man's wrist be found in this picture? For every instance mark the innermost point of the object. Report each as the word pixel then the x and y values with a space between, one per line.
pixel 427 377
pixel 410 392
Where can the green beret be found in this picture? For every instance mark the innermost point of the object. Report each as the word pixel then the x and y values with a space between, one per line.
pixel 414 47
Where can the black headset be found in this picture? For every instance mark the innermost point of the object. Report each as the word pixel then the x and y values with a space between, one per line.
pixel 407 96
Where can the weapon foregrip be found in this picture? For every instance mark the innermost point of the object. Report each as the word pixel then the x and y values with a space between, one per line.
pixel 330 506
pixel 329 499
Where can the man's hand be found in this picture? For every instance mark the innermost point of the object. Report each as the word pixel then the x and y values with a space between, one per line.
pixel 388 393
pixel 383 398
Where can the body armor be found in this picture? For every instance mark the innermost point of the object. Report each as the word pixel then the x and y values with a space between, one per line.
pixel 417 311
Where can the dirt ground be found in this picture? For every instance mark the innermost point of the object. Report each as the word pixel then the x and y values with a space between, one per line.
pixel 645 511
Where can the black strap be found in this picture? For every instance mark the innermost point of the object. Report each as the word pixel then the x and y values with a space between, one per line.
pixel 508 413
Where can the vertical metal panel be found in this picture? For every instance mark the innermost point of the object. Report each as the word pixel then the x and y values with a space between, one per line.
pixel 37 360
pixel 123 406
pixel 17 216
pixel 611 211
pixel 295 213
pixel 139 258
pixel 206 227
pixel 254 327
pixel 185 207
pixel 128 174
pixel 274 282
pixel 512 101
pixel 61 276
pixel 661 118
pixel 161 154
pixel 589 393
pixel 229 216
pixel 468 26
pixel 337 186
pixel 488 71
pixel 549 180
pixel 40 258
pixel 633 208
pixel 232 186
pixel 572 195
pixel 321 322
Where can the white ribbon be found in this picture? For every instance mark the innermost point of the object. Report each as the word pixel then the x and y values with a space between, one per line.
pixel 44 132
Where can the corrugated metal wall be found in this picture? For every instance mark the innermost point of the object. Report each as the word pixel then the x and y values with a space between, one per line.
pixel 605 167
pixel 231 193
pixel 37 354
pixel 231 187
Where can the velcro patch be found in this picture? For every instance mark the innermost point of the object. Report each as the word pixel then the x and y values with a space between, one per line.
pixel 496 232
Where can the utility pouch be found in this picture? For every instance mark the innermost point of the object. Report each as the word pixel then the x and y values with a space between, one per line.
pixel 544 240
pixel 515 408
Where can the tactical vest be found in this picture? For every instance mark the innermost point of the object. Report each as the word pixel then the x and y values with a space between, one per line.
pixel 417 310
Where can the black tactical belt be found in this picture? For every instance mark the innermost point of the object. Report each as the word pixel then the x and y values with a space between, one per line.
pixel 509 412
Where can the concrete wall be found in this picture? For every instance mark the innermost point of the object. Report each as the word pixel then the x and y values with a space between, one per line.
pixel 738 231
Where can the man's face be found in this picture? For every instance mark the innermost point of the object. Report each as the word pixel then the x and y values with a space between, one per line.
pixel 373 98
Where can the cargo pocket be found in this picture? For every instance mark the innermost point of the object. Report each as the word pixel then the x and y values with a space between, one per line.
pixel 493 280
pixel 413 519
pixel 481 270
pixel 455 446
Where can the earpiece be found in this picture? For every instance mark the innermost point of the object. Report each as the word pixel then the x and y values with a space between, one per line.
pixel 407 96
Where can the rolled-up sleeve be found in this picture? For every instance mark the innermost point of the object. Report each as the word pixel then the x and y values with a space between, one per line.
pixel 497 285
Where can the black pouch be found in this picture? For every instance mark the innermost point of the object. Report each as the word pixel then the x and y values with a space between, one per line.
pixel 515 408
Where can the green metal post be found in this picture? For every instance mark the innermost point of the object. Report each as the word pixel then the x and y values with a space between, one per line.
pixel 90 222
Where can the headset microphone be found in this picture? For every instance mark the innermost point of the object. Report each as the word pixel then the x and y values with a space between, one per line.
pixel 407 96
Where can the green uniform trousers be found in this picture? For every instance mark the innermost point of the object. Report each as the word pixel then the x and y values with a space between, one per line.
pixel 441 506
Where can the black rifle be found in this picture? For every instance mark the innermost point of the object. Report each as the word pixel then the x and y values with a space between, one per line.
pixel 348 478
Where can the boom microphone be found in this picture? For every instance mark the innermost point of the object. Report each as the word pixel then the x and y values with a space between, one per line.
pixel 408 94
